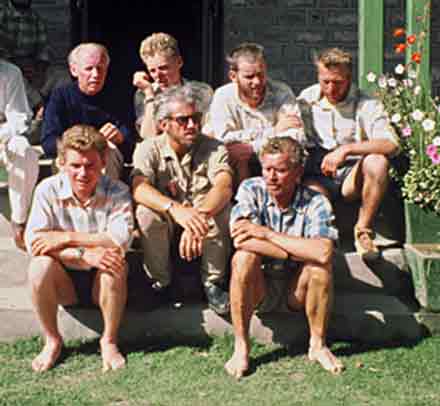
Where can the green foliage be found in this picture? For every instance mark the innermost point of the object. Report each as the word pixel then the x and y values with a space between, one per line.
pixel 415 116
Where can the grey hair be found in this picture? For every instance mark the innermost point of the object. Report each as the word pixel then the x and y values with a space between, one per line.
pixel 74 57
pixel 280 145
pixel 195 93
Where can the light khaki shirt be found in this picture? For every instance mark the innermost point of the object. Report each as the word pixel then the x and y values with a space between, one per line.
pixel 231 120
pixel 357 118
pixel 187 180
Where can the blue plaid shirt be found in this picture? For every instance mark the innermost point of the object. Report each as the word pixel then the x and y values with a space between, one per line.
pixel 309 215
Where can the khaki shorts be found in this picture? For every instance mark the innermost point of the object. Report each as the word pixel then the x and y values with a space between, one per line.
pixel 278 283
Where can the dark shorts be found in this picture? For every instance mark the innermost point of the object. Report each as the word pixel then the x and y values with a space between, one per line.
pixel 83 283
pixel 278 284
pixel 334 184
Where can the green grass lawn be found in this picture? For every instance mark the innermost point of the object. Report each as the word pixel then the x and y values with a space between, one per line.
pixel 178 374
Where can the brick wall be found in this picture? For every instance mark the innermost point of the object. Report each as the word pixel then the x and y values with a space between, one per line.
pixel 292 30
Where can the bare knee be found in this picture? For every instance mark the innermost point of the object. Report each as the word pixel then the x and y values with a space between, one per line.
pixel 320 276
pixel 110 284
pixel 376 166
pixel 40 270
pixel 244 265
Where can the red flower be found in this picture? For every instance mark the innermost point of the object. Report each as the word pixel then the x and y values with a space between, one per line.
pixel 411 39
pixel 416 57
pixel 399 48
pixel 398 32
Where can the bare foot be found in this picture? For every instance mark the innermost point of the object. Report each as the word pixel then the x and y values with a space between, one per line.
pixel 237 365
pixel 112 359
pixel 48 356
pixel 327 360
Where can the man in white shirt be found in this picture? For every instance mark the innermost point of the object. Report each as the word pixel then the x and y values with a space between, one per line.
pixel 353 140
pixel 16 154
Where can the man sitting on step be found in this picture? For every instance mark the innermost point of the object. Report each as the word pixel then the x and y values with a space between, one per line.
pixel 284 237
pixel 79 228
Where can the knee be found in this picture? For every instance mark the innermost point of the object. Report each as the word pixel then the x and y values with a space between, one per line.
pixel 320 276
pixel 244 265
pixel 148 219
pixel 40 270
pixel 376 166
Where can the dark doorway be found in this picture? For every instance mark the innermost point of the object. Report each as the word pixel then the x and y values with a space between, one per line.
pixel 122 25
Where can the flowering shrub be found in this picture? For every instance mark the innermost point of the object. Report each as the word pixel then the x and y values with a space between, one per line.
pixel 416 117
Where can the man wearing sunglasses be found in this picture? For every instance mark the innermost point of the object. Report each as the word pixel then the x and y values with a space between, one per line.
pixel 182 184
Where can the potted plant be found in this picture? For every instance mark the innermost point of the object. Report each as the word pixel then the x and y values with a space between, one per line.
pixel 415 115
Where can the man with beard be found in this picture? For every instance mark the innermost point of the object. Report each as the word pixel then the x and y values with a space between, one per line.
pixel 84 101
pixel 182 184
pixel 244 113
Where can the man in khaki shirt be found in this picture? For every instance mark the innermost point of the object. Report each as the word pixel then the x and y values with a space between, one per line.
pixel 182 184
pixel 353 139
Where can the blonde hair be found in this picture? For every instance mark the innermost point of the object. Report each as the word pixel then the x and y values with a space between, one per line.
pixel 333 57
pixel 281 145
pixel 81 137
pixel 159 42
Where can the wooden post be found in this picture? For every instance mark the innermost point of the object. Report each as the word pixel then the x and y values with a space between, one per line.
pixel 370 39
pixel 415 24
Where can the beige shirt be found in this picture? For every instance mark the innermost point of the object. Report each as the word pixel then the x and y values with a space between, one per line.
pixel 187 180
pixel 359 117
pixel 231 120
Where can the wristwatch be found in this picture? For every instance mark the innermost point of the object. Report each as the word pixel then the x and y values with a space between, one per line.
pixel 168 206
pixel 80 252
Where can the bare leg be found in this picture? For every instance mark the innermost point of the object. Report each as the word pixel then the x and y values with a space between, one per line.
pixel 110 292
pixel 368 179
pixel 50 286
pixel 314 290
pixel 246 291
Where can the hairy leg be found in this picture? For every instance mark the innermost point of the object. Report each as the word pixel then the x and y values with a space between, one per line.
pixel 369 180
pixel 246 291
pixel 110 293
pixel 313 289
pixel 50 286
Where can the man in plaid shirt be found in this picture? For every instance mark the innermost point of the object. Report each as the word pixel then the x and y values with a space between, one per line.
pixel 284 237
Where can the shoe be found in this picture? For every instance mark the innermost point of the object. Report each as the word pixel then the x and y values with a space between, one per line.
pixel 18 234
pixel 364 243
pixel 218 299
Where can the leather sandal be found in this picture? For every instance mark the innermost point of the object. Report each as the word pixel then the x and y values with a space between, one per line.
pixel 364 243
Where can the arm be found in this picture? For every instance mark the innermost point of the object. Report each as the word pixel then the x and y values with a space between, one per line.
pixel 148 126
pixel 219 195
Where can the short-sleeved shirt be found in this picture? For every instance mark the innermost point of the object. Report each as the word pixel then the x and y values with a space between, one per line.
pixel 188 179
pixel 231 120
pixel 357 118
pixel 309 215
pixel 55 207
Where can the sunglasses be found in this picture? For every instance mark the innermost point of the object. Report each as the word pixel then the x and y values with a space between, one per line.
pixel 183 121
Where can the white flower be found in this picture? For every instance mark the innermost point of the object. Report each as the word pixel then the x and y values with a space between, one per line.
pixel 382 82
pixel 399 69
pixel 436 141
pixel 428 124
pixel 392 82
pixel 371 77
pixel 412 74
pixel 395 118
pixel 417 90
pixel 417 115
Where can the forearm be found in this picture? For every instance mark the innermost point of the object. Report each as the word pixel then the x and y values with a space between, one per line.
pixel 382 147
pixel 147 195
pixel 264 248
pixel 319 250
pixel 148 127
pixel 218 197
pixel 72 239
pixel 69 257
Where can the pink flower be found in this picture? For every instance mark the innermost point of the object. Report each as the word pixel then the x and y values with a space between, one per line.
pixel 406 132
pixel 431 150
pixel 435 158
